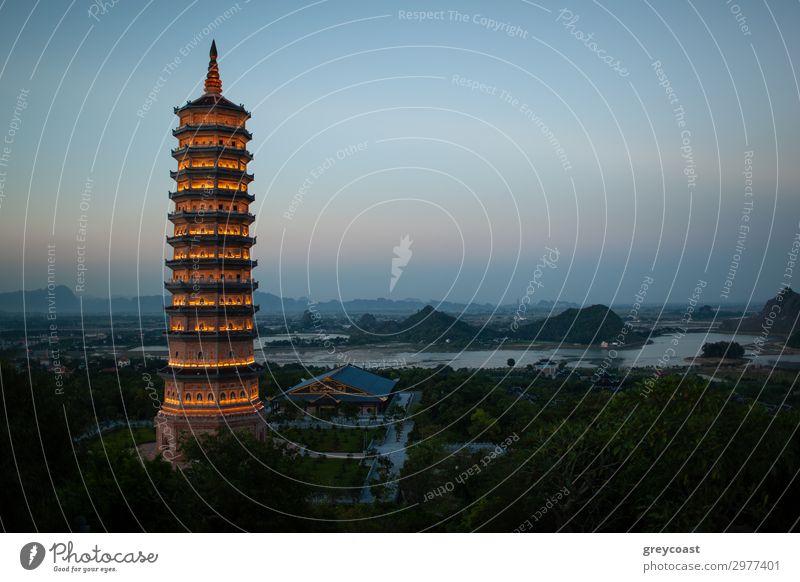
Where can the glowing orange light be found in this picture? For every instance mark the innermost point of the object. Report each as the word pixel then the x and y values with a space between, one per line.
pixel 212 364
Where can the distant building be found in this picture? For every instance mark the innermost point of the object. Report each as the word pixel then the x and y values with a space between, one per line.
pixel 546 367
pixel 328 392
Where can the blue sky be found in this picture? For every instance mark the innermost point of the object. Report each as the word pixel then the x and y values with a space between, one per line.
pixel 487 132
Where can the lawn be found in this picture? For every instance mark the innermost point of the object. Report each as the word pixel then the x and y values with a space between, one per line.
pixel 333 440
pixel 330 472
pixel 121 438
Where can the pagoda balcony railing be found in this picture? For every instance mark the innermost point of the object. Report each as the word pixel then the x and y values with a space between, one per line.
pixel 225 408
pixel 225 130
pixel 228 239
pixel 209 309
pixel 212 261
pixel 205 333
pixel 210 363
pixel 207 193
pixel 224 215
pixel 187 150
pixel 210 284
pixel 212 280
pixel 211 371
pixel 211 172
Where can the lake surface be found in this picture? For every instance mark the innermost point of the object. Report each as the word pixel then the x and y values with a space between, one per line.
pixel 687 346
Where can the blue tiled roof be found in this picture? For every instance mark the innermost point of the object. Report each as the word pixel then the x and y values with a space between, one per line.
pixel 355 377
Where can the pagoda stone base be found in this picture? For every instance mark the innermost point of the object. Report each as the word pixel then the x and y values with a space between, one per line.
pixel 172 429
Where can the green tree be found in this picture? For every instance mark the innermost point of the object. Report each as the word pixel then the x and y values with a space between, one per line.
pixel 246 483
pixel 482 425
pixel 727 350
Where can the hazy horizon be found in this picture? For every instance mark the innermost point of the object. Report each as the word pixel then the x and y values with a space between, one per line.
pixel 755 304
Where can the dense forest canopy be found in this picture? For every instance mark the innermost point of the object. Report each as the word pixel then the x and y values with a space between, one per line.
pixel 684 456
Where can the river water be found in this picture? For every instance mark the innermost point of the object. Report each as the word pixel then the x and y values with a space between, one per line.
pixel 672 349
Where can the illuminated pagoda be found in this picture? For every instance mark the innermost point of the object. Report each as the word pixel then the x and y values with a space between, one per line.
pixel 211 380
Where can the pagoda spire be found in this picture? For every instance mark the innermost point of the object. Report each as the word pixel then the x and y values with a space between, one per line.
pixel 213 82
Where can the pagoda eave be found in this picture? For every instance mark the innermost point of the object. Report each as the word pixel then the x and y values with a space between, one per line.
pixel 190 262
pixel 209 285
pixel 211 172
pixel 206 193
pixel 180 153
pixel 223 130
pixel 183 216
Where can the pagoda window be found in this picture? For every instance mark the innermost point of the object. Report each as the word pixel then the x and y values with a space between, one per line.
pixel 188 397
pixel 210 397
pixel 241 394
pixel 199 397
pixel 223 396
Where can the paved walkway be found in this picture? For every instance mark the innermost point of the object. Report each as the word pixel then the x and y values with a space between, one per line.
pixel 394 449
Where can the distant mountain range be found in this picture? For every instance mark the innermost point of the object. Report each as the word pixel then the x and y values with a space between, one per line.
pixel 590 325
pixel 779 316
pixel 66 302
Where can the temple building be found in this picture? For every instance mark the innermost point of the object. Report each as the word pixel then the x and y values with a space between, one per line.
pixel 211 380
pixel 333 392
